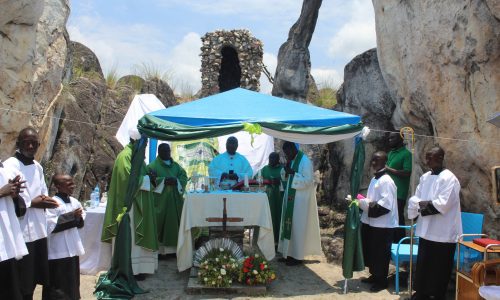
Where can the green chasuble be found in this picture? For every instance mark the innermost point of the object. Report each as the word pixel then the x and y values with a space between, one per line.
pixel 144 220
pixel 168 204
pixel 275 196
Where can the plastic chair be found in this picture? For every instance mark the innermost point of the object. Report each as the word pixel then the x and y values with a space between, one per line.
pixel 472 227
pixel 401 253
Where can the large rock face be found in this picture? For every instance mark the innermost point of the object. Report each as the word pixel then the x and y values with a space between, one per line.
pixel 363 93
pixel 292 77
pixel 441 62
pixel 18 31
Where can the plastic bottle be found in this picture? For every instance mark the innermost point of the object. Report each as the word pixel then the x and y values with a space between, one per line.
pixel 94 197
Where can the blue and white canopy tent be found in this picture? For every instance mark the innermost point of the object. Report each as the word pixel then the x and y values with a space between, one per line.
pixel 221 114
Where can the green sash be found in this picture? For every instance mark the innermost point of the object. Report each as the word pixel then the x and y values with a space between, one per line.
pixel 288 217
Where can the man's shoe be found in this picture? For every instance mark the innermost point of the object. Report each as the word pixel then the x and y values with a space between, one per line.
pixel 377 287
pixel 282 260
pixel 140 277
pixel 370 279
pixel 293 262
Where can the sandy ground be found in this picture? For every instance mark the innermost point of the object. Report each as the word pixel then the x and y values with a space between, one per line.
pixel 316 279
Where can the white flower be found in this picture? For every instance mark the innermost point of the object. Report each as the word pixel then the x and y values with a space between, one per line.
pixel 213 282
pixel 234 265
pixel 255 272
pixel 205 279
pixel 230 281
pixel 216 259
pixel 221 249
pixel 219 277
pixel 349 198
pixel 223 271
pixel 256 256
pixel 231 259
pixel 199 273
pixel 206 267
pixel 265 266
pixel 225 256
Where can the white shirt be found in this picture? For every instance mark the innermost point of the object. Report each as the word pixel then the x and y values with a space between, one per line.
pixel 444 192
pixel 224 162
pixel 66 243
pixel 33 223
pixel 11 237
pixel 383 192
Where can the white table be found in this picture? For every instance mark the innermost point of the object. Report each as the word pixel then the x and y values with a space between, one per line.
pixel 252 207
pixel 97 255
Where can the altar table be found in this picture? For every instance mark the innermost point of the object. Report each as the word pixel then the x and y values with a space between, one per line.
pixel 97 255
pixel 252 207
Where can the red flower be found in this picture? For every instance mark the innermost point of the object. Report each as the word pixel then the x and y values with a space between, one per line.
pixel 261 266
pixel 245 270
pixel 248 281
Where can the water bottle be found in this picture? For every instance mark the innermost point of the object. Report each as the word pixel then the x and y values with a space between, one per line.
pixel 94 197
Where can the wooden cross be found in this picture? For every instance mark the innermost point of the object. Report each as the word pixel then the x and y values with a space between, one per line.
pixel 224 218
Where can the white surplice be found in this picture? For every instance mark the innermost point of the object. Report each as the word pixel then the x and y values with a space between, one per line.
pixel 66 243
pixel 305 237
pixel 383 192
pixel 224 162
pixel 34 222
pixel 11 237
pixel 444 192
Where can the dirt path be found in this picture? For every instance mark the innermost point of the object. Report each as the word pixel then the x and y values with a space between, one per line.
pixel 316 279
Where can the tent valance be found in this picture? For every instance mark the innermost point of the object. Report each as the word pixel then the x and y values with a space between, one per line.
pixel 227 112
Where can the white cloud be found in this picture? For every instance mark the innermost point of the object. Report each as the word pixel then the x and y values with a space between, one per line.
pixel 357 34
pixel 270 61
pixel 129 47
pixel 276 8
pixel 327 77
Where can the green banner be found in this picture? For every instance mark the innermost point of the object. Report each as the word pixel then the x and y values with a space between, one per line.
pixel 288 218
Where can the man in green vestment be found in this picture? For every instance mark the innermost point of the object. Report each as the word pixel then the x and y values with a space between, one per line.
pixel 274 190
pixel 169 202
pixel 144 241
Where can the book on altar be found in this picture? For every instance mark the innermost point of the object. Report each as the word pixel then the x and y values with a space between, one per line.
pixel 485 242
pixel 146 185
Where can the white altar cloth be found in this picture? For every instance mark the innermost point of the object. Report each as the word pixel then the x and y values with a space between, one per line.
pixel 97 255
pixel 252 207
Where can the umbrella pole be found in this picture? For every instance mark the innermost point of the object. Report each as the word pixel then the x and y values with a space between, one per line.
pixel 345 286
pixel 410 285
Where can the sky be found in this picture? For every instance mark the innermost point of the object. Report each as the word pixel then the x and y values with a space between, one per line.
pixel 164 35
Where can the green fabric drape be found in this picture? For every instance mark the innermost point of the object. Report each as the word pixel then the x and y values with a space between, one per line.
pixel 352 259
pixel 170 131
pixel 119 281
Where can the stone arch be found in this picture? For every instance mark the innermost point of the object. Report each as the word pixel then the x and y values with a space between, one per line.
pixel 245 49
pixel 230 70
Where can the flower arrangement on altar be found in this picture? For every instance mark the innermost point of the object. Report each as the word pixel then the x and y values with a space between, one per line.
pixel 256 270
pixel 218 269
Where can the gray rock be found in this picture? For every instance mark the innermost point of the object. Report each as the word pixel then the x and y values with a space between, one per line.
pixel 292 76
pixel 440 62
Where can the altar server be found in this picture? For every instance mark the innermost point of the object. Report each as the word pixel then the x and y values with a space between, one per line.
pixel 299 233
pixel 230 164
pixel 12 247
pixel 33 268
pixel 379 218
pixel 64 243
pixel 437 205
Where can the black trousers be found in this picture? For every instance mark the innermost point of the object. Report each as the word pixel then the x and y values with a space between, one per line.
pixel 34 267
pixel 400 233
pixel 434 266
pixel 64 279
pixel 9 280
pixel 377 251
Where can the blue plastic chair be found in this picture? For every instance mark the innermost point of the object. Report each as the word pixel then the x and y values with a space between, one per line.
pixel 472 227
pixel 401 253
